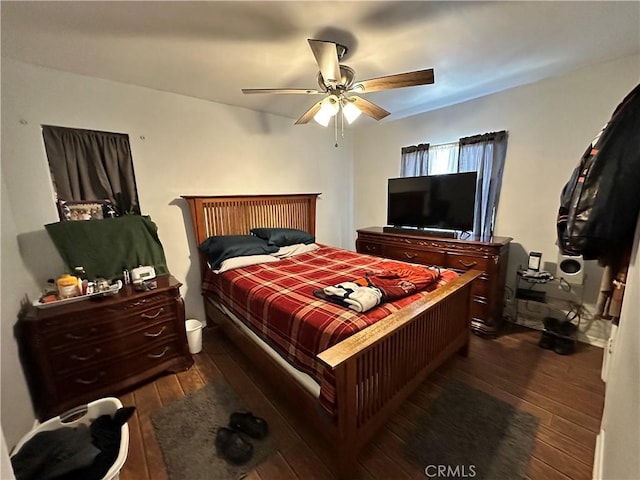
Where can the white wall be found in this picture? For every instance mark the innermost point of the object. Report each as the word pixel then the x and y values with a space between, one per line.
pixel 180 146
pixel 620 428
pixel 550 124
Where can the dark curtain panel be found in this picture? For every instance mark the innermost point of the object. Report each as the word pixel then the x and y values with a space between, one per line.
pixel 92 165
pixel 415 160
pixel 485 154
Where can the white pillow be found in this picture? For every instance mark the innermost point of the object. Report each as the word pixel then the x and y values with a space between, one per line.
pixel 244 261
pixel 298 248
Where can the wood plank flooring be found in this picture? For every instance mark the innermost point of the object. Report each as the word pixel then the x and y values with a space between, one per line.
pixel 564 392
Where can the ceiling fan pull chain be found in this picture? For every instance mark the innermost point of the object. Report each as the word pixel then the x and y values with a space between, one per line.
pixel 336 130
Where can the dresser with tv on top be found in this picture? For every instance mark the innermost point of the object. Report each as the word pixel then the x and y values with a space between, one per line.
pixel 490 256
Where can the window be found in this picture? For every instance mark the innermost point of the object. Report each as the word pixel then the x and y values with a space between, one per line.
pixel 89 165
pixel 484 154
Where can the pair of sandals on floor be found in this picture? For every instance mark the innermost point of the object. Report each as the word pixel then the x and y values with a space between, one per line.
pixel 231 442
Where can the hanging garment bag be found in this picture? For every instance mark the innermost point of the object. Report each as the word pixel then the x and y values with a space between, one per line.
pixel 600 204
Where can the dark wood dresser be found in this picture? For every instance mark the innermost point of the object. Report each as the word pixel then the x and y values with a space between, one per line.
pixel 490 256
pixel 79 352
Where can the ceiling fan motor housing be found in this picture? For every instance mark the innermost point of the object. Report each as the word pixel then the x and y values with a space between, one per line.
pixel 347 75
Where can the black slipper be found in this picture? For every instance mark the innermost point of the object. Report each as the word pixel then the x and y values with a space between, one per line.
pixel 547 341
pixel 564 346
pixel 551 324
pixel 232 447
pixel 567 328
pixel 253 426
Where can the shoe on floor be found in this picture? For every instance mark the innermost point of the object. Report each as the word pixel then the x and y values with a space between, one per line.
pixel 567 328
pixel 551 324
pixel 564 346
pixel 248 423
pixel 547 341
pixel 232 447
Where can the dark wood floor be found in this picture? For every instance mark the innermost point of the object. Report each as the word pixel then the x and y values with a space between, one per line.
pixel 564 392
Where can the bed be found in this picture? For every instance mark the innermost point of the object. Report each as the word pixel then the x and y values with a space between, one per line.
pixel 374 370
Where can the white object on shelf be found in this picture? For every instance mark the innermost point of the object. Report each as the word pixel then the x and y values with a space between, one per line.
pixel 91 411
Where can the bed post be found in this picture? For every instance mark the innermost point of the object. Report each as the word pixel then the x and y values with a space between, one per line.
pixel 347 448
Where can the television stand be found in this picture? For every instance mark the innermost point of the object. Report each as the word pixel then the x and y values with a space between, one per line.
pixel 421 231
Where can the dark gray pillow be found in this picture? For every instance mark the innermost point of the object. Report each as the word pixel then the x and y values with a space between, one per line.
pixel 283 237
pixel 220 247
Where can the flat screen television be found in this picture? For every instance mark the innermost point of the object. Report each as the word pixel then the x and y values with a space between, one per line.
pixel 437 201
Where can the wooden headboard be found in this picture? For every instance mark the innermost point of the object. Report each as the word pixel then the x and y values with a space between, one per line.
pixel 237 214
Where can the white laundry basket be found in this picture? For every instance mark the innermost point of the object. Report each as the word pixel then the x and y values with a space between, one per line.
pixel 84 415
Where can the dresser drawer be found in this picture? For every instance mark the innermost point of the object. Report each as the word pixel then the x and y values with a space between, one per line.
pixel 117 370
pixel 481 286
pixel 368 248
pixel 480 310
pixel 115 324
pixel 82 355
pixel 97 312
pixel 424 257
pixel 461 261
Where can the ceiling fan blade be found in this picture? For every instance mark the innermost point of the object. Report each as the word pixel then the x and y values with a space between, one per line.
pixel 280 90
pixel 400 80
pixel 369 108
pixel 309 114
pixel 326 55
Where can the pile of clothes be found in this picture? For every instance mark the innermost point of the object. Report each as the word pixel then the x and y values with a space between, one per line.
pixel 374 288
pixel 83 452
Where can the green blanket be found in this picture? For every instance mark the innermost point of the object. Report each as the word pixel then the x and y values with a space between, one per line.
pixel 105 247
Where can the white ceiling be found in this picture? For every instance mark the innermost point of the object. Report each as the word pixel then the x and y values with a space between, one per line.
pixel 210 50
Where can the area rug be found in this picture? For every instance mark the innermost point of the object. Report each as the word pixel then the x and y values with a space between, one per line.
pixel 466 433
pixel 186 429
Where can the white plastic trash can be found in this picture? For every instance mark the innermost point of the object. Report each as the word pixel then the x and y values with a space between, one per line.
pixel 194 335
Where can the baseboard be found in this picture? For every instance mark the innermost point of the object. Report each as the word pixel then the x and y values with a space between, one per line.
pixel 597 458
pixel 591 340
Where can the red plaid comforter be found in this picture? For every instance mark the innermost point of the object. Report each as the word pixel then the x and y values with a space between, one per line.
pixel 276 301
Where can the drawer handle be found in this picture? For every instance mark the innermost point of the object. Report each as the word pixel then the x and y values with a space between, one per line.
pixel 89 382
pixel 137 304
pixel 468 265
pixel 149 334
pixel 410 255
pixel 370 248
pixel 158 355
pixel 72 336
pixel 144 315
pixel 84 358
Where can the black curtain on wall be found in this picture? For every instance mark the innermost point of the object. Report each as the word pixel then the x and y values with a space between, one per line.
pixel 92 165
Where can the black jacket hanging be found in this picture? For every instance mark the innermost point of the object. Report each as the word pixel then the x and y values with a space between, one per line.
pixel 600 204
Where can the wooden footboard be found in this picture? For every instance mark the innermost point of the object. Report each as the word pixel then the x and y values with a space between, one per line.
pixel 377 368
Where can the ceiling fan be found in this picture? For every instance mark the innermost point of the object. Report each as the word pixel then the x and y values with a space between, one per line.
pixel 337 82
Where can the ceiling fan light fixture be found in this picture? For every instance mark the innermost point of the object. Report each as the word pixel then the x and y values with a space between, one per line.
pixel 350 111
pixel 328 108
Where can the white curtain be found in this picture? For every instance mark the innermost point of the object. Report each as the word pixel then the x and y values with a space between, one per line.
pixel 414 161
pixel 485 154
pixel 443 158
